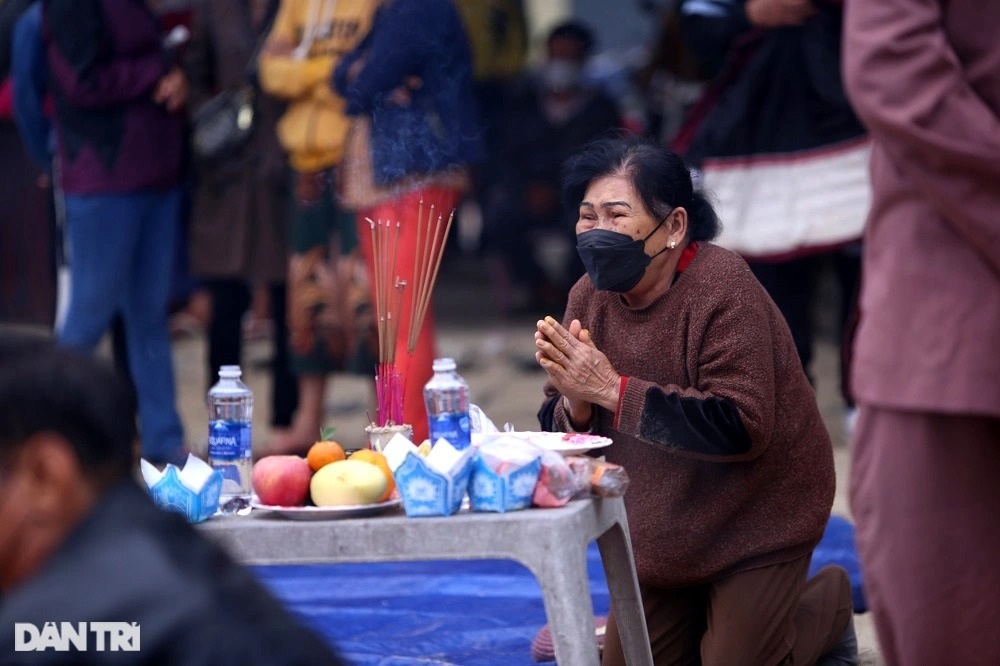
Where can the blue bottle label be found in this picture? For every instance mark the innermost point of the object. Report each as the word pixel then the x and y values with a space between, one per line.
pixel 454 427
pixel 228 440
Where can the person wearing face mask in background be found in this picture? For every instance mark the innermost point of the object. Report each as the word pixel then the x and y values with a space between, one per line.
pixel 552 113
pixel 673 349
pixel 776 140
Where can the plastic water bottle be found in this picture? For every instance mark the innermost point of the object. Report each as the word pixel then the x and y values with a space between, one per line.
pixel 230 409
pixel 447 398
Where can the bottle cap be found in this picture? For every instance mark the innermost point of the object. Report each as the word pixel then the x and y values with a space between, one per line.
pixel 444 364
pixel 230 372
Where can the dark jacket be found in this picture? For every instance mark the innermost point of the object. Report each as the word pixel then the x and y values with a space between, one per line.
pixel 779 91
pixel 130 562
pixel 105 59
pixel 240 221
pixel 440 128
pixel 533 148
pixel 775 138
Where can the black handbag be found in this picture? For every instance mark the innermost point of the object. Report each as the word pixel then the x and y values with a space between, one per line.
pixel 222 126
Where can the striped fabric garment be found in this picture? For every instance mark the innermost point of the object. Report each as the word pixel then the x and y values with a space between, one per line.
pixel 775 140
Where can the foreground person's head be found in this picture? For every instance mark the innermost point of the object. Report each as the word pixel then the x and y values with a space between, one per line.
pixel 638 211
pixel 67 428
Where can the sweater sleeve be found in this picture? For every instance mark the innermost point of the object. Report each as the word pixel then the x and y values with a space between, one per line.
pixel 85 75
pixel 730 416
pixel 288 76
pixel 562 421
pixel 397 47
pixel 339 81
pixel 909 86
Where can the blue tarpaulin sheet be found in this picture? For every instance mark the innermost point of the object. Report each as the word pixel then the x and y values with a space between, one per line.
pixel 466 613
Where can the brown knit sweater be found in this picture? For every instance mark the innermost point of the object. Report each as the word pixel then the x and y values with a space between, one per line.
pixel 718 428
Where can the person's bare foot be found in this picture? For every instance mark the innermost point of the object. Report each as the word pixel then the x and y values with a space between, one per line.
pixel 193 319
pixel 304 430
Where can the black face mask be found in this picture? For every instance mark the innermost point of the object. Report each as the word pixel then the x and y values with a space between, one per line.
pixel 615 261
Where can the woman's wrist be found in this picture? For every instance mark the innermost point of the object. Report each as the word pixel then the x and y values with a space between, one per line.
pixel 611 395
pixel 579 413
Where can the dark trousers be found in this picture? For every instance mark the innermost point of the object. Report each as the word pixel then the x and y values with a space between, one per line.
pixel 764 617
pixel 792 286
pixel 230 301
pixel 120 250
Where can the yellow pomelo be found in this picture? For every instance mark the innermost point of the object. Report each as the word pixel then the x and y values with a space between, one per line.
pixel 347 482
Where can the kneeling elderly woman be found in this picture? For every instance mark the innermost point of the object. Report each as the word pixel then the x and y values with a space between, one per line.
pixel 671 348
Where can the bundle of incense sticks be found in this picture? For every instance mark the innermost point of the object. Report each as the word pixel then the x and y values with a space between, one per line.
pixel 388 298
pixel 426 263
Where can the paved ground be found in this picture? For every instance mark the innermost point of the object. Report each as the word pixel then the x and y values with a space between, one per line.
pixel 496 358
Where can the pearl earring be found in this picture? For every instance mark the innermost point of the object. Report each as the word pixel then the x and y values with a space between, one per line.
pixel 673 244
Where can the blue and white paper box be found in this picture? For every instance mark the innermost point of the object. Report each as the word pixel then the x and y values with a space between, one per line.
pixel 429 492
pixel 509 491
pixel 193 491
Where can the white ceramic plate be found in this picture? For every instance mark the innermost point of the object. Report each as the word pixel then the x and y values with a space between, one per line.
pixel 326 512
pixel 566 443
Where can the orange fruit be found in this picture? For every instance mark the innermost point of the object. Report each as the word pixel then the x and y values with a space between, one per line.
pixel 379 460
pixel 324 453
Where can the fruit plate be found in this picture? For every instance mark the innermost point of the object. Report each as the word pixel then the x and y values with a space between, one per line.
pixel 327 512
pixel 566 443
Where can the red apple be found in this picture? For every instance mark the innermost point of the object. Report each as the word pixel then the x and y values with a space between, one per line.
pixel 282 480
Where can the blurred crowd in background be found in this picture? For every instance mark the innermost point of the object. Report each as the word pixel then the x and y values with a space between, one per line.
pixel 181 167
pixel 207 167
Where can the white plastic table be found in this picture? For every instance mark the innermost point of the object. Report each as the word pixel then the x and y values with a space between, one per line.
pixel 551 543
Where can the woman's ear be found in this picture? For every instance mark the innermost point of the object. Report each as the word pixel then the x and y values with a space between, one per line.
pixel 677 227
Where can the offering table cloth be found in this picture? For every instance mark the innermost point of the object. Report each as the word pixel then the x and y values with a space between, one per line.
pixel 551 543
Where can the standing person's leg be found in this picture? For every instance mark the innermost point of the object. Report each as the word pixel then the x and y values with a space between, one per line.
pixel 509 255
pixel 676 622
pixel 416 368
pixel 925 495
pixel 284 387
pixel 772 615
pixel 230 299
pixel 311 362
pixel 792 285
pixel 145 311
pixel 101 232
pixel 847 264
pixel 119 348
